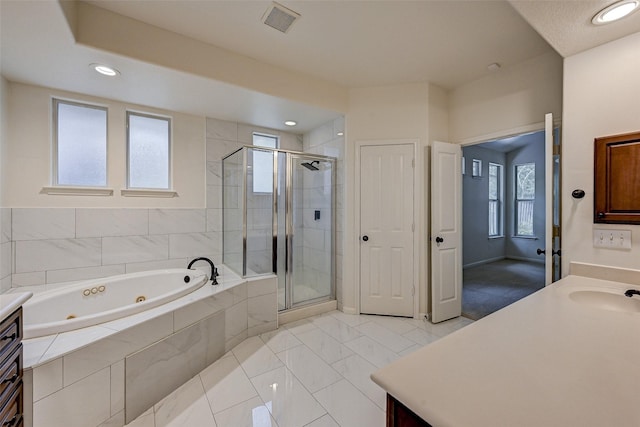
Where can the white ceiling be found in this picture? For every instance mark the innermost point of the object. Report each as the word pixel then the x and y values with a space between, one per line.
pixel 567 26
pixel 351 43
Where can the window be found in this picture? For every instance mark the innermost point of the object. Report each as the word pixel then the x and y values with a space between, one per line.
pixel 263 163
pixel 495 200
pixel 525 175
pixel 148 149
pixel 476 168
pixel 80 144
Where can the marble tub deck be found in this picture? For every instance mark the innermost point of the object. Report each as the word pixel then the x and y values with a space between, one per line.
pixel 87 377
pixel 40 350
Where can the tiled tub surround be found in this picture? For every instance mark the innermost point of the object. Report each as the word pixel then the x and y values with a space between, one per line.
pixel 88 377
pixel 53 245
pixel 5 249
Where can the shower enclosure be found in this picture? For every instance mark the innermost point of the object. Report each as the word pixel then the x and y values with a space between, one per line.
pixel 278 217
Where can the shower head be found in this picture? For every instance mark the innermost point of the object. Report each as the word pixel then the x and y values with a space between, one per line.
pixel 311 166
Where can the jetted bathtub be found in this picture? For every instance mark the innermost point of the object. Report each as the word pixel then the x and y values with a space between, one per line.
pixel 93 302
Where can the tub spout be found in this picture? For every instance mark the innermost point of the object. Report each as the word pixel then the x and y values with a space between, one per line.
pixel 214 270
pixel 631 292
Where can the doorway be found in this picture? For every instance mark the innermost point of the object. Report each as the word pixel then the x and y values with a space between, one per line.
pixel 504 222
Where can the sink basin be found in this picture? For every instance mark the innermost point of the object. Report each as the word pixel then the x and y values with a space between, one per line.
pixel 606 300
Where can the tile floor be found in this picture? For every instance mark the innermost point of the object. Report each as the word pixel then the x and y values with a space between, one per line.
pixel 314 373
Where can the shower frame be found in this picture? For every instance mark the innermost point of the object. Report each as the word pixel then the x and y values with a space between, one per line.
pixel 288 212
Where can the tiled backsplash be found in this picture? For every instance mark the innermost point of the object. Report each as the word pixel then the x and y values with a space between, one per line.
pixel 52 245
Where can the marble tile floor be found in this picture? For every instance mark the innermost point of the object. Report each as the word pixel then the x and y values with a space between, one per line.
pixel 310 373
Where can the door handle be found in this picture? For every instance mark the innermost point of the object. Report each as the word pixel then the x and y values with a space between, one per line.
pixel 365 238
pixel 558 252
pixel 540 251
pixel 439 239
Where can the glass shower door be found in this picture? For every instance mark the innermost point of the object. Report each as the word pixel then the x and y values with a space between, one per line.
pixel 311 228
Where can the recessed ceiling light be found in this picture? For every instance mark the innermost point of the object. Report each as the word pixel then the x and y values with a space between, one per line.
pixel 105 70
pixel 290 123
pixel 615 11
pixel 340 133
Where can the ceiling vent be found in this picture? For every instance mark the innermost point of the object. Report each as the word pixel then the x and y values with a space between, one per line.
pixel 279 17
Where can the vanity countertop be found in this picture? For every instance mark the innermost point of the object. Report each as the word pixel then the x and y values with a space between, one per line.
pixel 546 360
pixel 9 302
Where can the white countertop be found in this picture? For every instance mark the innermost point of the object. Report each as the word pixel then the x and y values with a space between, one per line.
pixel 9 302
pixel 543 361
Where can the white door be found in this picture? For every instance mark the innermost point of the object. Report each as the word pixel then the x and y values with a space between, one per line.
pixel 446 232
pixel 552 202
pixel 386 229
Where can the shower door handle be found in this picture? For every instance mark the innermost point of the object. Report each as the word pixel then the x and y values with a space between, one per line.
pixel 365 238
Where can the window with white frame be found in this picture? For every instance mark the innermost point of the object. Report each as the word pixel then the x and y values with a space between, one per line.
pixel 476 168
pixel 495 200
pixel 79 144
pixel 263 163
pixel 525 195
pixel 148 151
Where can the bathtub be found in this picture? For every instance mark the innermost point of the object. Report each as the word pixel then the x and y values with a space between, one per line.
pixel 97 301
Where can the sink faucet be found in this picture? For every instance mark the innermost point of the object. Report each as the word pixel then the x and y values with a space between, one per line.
pixel 631 292
pixel 214 270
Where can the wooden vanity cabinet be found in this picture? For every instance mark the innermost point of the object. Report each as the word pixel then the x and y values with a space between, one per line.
pixel 399 415
pixel 11 394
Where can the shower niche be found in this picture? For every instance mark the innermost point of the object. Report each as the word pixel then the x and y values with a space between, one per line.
pixel 278 217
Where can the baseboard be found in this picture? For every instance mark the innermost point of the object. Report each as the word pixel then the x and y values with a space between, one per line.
pixel 349 310
pixel 484 261
pixel 304 312
pixel 519 258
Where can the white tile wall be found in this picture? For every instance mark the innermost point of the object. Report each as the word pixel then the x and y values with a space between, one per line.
pixel 73 406
pixel 61 245
pixel 39 255
pixel 171 221
pixel 75 274
pixel 47 379
pixel 119 250
pixel 5 225
pixel 195 244
pixel 112 222
pixel 38 224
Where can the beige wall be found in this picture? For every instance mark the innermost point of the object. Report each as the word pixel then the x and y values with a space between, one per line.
pixel 29 149
pixel 438 114
pixel 382 113
pixel 511 99
pixel 601 97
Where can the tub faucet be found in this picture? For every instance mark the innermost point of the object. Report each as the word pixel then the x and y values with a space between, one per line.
pixel 631 292
pixel 214 270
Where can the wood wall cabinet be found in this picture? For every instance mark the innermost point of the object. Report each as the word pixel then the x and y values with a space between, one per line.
pixel 11 395
pixel 617 179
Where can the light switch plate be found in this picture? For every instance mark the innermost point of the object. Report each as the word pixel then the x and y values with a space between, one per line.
pixel 611 239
